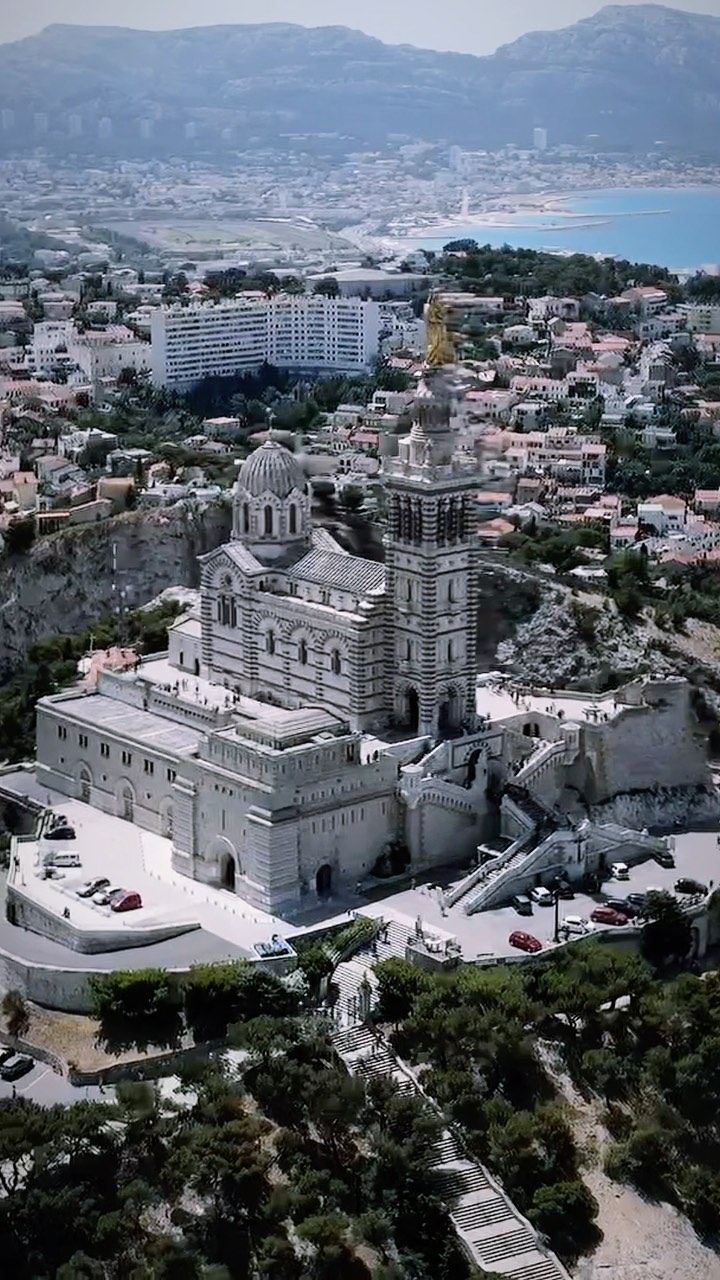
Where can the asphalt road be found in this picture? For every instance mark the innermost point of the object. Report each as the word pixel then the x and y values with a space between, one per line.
pixel 46 1087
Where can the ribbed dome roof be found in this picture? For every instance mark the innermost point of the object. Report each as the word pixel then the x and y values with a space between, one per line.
pixel 271 469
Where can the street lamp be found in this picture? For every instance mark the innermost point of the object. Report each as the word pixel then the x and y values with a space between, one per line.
pixel 556 904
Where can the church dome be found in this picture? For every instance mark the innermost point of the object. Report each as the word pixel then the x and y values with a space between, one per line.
pixel 271 469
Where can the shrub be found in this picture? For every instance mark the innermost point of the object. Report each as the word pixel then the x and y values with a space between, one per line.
pixel 565 1212
pixel 234 991
pixel 133 995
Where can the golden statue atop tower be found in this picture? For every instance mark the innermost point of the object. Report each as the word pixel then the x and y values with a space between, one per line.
pixel 440 344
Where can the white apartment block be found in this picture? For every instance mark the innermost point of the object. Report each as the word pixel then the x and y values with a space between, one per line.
pixel 312 333
pixel 701 318
pixel 99 353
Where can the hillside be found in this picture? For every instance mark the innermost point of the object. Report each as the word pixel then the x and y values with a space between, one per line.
pixel 631 75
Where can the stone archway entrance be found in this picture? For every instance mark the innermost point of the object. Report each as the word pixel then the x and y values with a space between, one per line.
pixel 412 710
pixel 450 720
pixel 84 784
pixel 227 872
pixel 166 819
pixel 324 881
pixel 126 802
pixel 472 765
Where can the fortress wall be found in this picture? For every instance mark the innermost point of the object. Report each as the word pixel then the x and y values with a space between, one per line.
pixel 642 748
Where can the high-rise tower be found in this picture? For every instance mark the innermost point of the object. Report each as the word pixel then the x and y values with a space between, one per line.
pixel 431 573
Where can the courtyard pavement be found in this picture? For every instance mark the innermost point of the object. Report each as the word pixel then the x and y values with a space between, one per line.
pixel 229 927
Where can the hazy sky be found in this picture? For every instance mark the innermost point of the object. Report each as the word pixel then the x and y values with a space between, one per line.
pixel 473 26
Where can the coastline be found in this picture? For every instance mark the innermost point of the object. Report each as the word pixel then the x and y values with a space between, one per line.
pixel 679 232
pixel 507 218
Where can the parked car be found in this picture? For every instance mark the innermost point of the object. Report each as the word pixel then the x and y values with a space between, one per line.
pixel 17 1065
pixel 127 901
pixel 575 925
pixel 106 896
pixel 637 900
pixel 6 1055
pixel 57 859
pixel 619 871
pixel 542 896
pixel 664 858
pixel 624 906
pixel 61 833
pixel 522 904
pixel 607 915
pixel 686 885
pixel 90 887
pixel 524 941
pixel 563 888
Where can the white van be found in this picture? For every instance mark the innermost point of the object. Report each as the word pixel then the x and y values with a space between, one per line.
pixel 619 871
pixel 63 860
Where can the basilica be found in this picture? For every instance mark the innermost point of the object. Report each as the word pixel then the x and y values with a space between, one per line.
pixel 317 709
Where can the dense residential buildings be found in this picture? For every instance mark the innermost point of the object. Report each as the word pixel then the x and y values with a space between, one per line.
pixel 305 333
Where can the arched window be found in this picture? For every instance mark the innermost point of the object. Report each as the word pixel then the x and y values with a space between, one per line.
pixel 293 518
pixel 408 650
pixel 268 518
pixel 408 589
pixel 303 653
pixel 451 592
pixel 270 642
pixel 336 662
pixel 246 517
pixel 450 651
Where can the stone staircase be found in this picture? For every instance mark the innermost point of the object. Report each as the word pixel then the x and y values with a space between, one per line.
pixel 495 1235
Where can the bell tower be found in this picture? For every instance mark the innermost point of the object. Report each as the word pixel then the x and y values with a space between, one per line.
pixel 431 573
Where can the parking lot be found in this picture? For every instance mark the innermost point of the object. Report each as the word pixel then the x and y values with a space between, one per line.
pixel 46 1087
pixel 697 856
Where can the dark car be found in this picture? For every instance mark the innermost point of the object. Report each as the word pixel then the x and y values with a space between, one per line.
pixel 18 1065
pixel 624 906
pixel 563 888
pixel 664 858
pixel 606 915
pixel 522 904
pixel 524 941
pixel 637 900
pixel 61 833
pixel 686 885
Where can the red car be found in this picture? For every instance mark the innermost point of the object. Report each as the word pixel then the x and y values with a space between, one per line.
pixel 524 941
pixel 608 915
pixel 129 901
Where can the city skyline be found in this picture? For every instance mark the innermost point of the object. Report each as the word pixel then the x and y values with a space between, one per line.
pixel 459 25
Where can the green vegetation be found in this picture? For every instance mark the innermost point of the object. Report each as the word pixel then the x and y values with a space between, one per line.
pixel 291 1170
pixel 554 545
pixel 644 1046
pixel 53 664
pixel 510 272
pixel 216 995
pixel 144 1006
pixel 318 956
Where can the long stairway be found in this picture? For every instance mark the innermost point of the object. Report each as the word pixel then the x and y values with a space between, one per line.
pixel 498 1238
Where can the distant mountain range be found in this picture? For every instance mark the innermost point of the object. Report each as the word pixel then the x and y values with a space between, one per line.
pixel 632 75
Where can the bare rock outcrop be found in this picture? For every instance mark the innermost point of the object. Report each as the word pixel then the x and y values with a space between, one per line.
pixel 70 579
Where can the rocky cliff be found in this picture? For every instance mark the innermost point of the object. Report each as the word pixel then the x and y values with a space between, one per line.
pixel 68 580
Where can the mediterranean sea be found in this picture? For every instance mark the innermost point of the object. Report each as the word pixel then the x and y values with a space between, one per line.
pixel 676 228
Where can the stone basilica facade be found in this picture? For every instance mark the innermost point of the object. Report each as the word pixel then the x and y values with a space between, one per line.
pixel 318 708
